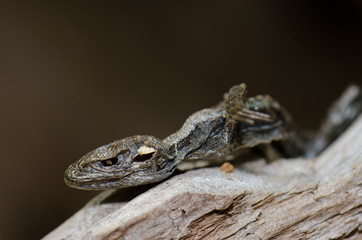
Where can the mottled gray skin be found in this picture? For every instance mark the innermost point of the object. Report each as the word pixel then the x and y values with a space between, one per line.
pixel 210 133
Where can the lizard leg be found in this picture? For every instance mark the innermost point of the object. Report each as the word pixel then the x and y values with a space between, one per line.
pixel 261 120
pixel 242 110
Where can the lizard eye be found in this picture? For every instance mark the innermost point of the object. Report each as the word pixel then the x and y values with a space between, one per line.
pixel 115 160
pixel 109 162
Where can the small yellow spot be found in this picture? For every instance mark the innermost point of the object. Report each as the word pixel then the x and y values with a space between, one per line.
pixel 145 150
pixel 227 167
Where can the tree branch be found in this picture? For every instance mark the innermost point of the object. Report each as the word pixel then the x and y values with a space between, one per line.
pixel 319 198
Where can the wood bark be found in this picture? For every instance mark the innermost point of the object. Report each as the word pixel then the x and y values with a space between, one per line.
pixel 317 198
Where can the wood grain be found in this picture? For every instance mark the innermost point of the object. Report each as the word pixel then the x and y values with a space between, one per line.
pixel 317 198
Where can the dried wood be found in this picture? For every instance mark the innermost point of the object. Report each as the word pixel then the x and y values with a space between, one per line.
pixel 317 198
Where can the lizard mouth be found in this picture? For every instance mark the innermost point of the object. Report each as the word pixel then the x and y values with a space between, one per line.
pixel 91 184
pixel 79 180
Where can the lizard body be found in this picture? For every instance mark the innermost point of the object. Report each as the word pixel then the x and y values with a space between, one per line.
pixel 215 132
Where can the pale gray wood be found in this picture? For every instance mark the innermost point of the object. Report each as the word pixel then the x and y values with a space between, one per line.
pixel 319 198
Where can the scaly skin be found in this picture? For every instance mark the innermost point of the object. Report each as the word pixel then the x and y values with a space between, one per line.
pixel 211 133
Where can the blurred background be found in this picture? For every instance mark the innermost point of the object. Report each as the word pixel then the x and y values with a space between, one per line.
pixel 79 74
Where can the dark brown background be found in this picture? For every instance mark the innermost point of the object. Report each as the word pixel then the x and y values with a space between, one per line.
pixel 79 74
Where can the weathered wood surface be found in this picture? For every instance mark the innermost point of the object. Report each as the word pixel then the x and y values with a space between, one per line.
pixel 288 199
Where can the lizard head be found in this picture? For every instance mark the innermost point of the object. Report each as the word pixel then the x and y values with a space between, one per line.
pixel 123 163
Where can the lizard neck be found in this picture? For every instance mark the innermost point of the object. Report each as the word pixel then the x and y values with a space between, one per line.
pixel 195 133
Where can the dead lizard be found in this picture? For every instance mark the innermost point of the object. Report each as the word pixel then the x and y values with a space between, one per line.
pixel 237 122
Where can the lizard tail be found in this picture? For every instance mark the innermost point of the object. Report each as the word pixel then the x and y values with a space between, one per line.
pixel 339 117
